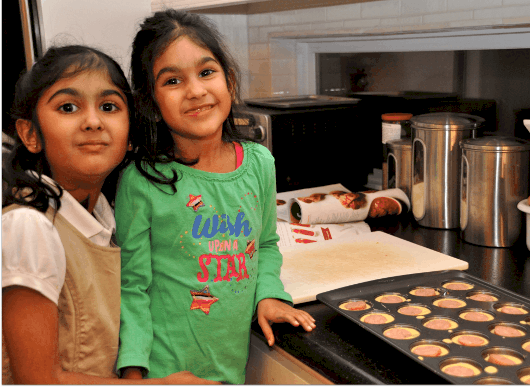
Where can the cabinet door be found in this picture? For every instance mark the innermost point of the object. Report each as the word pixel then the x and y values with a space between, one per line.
pixel 268 365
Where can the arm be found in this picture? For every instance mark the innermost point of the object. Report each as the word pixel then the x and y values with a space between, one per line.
pixel 30 330
pixel 270 290
pixel 133 230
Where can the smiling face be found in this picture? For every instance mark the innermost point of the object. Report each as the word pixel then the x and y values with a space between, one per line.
pixel 84 121
pixel 191 91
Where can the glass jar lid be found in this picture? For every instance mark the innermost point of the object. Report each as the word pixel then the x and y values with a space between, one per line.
pixel 496 144
pixel 447 121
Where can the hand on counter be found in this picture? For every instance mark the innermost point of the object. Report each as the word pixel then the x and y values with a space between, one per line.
pixel 271 310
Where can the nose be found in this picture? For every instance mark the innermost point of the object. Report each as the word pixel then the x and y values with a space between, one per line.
pixel 92 120
pixel 195 89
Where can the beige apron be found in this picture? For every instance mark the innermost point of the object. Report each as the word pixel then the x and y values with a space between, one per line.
pixel 89 304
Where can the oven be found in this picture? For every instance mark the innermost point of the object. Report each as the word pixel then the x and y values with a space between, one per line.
pixel 313 144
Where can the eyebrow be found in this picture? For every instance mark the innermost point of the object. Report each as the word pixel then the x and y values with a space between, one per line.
pixel 176 69
pixel 75 93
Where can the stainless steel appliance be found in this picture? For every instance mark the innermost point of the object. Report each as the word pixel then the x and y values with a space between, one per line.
pixel 436 163
pixel 313 144
pixel 495 171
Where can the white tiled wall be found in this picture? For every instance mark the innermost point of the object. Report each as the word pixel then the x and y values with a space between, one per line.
pixel 369 17
pixel 272 61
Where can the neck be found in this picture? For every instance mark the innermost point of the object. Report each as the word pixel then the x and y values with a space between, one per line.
pixel 85 193
pixel 213 155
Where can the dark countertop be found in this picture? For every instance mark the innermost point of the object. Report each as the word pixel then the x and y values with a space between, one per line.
pixel 345 353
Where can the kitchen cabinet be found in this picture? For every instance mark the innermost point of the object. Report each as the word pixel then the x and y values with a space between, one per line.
pixel 345 353
pixel 274 365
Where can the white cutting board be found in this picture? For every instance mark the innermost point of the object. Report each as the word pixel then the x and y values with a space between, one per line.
pixel 323 266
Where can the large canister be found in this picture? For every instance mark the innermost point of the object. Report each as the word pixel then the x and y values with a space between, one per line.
pixel 436 163
pixel 495 171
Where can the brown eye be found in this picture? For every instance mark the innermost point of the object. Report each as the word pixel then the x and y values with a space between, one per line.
pixel 68 108
pixel 109 107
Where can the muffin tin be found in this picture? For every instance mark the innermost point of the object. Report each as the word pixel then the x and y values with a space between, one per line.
pixel 440 316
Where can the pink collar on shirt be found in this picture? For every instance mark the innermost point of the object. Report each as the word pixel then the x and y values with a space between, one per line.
pixel 239 154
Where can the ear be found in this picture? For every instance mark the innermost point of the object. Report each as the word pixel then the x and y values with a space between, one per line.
pixel 28 135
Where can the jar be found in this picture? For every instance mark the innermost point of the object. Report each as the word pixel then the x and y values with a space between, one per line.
pixel 394 126
pixel 436 164
pixel 399 164
pixel 495 172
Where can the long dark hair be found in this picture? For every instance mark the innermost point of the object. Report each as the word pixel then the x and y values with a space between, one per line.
pixel 153 136
pixel 57 63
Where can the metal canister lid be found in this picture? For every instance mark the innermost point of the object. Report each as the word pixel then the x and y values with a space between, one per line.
pixel 496 144
pixel 447 121
pixel 405 143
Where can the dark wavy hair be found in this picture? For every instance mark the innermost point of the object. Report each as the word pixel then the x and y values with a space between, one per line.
pixel 152 135
pixel 57 63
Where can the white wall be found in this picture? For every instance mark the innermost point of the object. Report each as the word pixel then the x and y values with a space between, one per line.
pixel 109 25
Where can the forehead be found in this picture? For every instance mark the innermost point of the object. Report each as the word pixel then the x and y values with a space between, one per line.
pixel 85 82
pixel 182 52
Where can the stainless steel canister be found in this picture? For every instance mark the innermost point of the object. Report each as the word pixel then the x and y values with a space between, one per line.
pixel 495 171
pixel 399 164
pixel 436 163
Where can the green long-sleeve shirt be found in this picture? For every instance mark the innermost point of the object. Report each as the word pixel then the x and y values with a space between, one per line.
pixel 195 264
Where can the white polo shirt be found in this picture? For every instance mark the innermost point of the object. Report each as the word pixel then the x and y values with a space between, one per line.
pixel 32 253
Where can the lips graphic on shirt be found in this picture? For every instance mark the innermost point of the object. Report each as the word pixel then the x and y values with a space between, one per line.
pixel 202 299
pixel 195 202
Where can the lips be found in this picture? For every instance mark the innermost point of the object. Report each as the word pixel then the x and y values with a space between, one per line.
pixel 199 109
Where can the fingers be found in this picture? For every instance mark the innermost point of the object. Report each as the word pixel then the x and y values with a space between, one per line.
pixel 267 330
pixel 302 318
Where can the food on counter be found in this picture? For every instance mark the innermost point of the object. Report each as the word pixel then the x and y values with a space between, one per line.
pixel 384 206
pixel 424 292
pixel 280 202
pixel 390 299
pixel 414 310
pixel 461 369
pixel 525 379
pixel 401 333
pixel 440 324
pixel 429 350
pixel 450 303
pixel 476 316
pixel 468 340
pixel 502 359
pixel 355 305
pixel 377 318
pixel 503 330
pixel 512 310
pixel 458 286
pixel 483 297
pixel 526 346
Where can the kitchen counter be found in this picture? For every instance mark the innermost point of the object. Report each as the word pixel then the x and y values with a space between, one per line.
pixel 344 353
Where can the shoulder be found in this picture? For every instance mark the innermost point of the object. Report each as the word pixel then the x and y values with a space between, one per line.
pixel 258 151
pixel 23 216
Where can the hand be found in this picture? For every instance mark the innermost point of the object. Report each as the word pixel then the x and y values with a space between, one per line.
pixel 271 310
pixel 132 373
pixel 186 377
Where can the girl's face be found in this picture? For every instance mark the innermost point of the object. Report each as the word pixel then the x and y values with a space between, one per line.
pixel 85 125
pixel 191 91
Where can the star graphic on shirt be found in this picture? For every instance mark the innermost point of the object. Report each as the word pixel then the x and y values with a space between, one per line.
pixel 251 248
pixel 195 202
pixel 202 300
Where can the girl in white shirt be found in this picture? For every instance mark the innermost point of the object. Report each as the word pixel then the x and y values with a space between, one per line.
pixel 60 269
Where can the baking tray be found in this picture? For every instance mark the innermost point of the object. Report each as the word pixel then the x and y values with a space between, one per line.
pixel 401 286
pixel 301 101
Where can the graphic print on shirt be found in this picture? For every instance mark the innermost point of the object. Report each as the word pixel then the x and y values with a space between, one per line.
pixel 228 246
pixel 195 202
pixel 202 299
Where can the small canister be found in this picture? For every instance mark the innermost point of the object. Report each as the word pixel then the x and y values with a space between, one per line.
pixel 495 172
pixel 394 126
pixel 436 160
pixel 399 164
